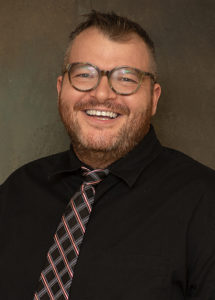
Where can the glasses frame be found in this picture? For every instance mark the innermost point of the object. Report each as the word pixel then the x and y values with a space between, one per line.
pixel 107 73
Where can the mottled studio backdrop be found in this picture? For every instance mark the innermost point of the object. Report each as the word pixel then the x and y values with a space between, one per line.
pixel 33 36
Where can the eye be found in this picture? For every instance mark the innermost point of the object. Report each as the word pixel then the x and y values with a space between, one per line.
pixel 83 75
pixel 125 76
pixel 127 79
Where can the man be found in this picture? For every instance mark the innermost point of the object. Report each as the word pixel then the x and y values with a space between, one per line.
pixel 142 225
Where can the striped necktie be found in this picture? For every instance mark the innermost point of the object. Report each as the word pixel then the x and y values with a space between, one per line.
pixel 56 278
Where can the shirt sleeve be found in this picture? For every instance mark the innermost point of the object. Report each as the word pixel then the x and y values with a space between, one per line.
pixel 201 250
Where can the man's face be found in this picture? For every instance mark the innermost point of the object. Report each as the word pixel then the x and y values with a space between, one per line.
pixel 99 133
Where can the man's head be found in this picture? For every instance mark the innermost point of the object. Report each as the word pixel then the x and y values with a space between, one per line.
pixel 116 28
pixel 104 125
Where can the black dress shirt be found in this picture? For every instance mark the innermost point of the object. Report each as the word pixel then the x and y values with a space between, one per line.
pixel 151 233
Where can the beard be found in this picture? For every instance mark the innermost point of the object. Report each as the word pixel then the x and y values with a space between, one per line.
pixel 99 146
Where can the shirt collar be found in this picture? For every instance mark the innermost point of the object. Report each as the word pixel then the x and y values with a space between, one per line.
pixel 128 168
pixel 66 163
pixel 133 163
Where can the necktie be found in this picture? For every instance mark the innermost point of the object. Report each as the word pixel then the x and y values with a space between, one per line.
pixel 56 278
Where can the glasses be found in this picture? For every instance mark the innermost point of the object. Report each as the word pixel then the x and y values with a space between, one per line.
pixel 122 80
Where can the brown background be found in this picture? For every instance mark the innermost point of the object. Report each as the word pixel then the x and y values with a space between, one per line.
pixel 33 36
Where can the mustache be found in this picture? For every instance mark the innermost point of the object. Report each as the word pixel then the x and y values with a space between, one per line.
pixel 109 104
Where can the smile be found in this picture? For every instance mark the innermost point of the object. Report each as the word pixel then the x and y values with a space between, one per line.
pixel 101 113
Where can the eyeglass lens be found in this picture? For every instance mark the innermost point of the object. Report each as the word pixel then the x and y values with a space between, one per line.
pixel 84 77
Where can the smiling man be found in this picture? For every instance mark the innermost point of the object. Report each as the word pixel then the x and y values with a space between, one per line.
pixel 117 216
pixel 107 115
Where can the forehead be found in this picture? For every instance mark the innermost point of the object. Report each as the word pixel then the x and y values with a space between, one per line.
pixel 94 47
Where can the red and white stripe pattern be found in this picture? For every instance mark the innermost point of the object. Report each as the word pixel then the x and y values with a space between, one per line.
pixel 56 278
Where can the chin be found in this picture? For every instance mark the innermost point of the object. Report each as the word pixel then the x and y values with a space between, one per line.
pixel 98 143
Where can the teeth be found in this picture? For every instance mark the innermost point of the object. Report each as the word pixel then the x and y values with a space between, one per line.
pixel 102 113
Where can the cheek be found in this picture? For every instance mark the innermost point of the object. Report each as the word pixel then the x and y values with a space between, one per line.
pixel 66 105
pixel 69 98
pixel 141 103
pixel 72 96
pixel 137 107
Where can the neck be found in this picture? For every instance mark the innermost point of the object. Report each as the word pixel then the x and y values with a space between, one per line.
pixel 100 159
pixel 96 159
pixel 104 157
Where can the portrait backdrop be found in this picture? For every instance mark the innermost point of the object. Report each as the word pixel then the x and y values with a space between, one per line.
pixel 34 35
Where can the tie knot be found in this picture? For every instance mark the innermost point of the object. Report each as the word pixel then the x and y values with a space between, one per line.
pixel 94 176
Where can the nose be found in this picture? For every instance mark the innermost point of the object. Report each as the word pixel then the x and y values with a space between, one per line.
pixel 103 91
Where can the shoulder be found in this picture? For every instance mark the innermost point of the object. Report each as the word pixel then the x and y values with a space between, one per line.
pixel 178 158
pixel 41 168
pixel 185 168
pixel 31 183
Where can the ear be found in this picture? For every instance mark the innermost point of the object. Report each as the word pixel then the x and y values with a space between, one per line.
pixel 155 97
pixel 59 84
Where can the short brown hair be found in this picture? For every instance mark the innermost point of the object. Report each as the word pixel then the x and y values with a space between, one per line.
pixel 116 28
